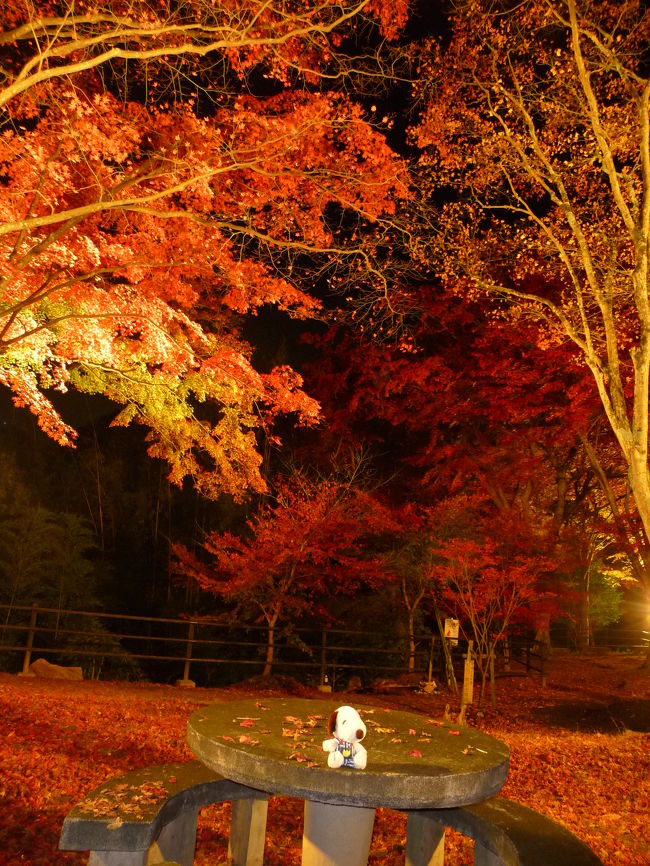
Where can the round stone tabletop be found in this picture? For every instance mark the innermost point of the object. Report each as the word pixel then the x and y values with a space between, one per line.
pixel 414 762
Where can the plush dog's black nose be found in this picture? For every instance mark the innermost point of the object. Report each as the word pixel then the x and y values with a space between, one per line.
pixel 359 734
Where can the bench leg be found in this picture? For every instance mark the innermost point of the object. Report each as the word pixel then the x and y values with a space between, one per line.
pixel 248 831
pixel 176 841
pixel 425 840
pixel 484 857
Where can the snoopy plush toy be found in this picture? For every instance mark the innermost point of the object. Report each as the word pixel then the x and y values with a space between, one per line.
pixel 344 746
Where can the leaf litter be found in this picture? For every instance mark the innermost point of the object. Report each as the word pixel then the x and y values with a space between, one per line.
pixel 60 740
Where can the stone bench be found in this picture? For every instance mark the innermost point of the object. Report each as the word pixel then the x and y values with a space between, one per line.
pixel 505 833
pixel 149 817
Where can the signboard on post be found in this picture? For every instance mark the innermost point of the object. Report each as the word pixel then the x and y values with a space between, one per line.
pixel 451 630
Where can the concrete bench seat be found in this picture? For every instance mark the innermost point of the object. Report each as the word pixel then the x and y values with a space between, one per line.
pixel 149 817
pixel 505 833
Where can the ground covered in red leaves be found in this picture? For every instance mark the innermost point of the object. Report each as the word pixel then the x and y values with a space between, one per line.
pixel 580 751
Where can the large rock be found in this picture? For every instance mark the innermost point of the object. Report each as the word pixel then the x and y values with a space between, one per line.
pixel 47 670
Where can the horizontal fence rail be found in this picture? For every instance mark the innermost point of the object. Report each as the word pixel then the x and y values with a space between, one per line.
pixel 237 649
pixel 224 651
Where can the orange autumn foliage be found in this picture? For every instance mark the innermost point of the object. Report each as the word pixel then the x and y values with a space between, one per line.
pixel 143 213
pixel 58 740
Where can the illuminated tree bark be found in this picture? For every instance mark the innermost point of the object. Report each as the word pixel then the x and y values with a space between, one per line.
pixel 538 119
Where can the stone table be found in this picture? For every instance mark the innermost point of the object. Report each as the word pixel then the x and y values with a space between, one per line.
pixel 414 763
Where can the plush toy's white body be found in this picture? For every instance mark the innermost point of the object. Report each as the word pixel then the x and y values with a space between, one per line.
pixel 344 746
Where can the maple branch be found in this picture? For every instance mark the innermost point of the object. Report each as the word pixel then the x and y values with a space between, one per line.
pixel 74 215
pixel 36 71
pixel 556 190
pixel 15 309
pixel 593 114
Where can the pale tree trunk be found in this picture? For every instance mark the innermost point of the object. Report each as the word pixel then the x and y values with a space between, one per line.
pixel 631 434
pixel 411 607
pixel 271 622
pixel 411 665
pixel 638 554
pixel 270 646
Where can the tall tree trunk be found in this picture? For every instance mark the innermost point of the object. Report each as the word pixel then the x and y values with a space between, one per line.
pixel 270 644
pixel 411 667
pixel 411 607
pixel 493 690
pixel 583 626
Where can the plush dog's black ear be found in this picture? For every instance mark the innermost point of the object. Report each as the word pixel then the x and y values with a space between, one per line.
pixel 331 724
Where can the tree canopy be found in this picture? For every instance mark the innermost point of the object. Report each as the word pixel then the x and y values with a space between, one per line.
pixel 152 197
pixel 450 217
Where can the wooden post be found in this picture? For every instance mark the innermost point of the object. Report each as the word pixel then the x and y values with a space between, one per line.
pixel 468 677
pixel 449 665
pixel 186 681
pixel 30 640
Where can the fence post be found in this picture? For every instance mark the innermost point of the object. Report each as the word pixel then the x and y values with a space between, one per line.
pixel 468 677
pixel 30 640
pixel 324 685
pixel 430 671
pixel 186 681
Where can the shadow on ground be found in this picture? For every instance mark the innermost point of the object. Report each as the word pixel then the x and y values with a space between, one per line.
pixel 619 716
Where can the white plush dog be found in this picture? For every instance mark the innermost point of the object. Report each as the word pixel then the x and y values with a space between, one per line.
pixel 344 747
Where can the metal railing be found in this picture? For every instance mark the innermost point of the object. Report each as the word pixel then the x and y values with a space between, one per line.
pixel 215 651
pixel 223 651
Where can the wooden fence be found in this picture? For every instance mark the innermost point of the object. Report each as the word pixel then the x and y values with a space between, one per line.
pixel 221 652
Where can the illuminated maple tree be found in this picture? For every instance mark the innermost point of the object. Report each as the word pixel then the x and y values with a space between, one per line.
pixel 537 127
pixel 488 572
pixel 151 198
pixel 469 408
pixel 312 541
